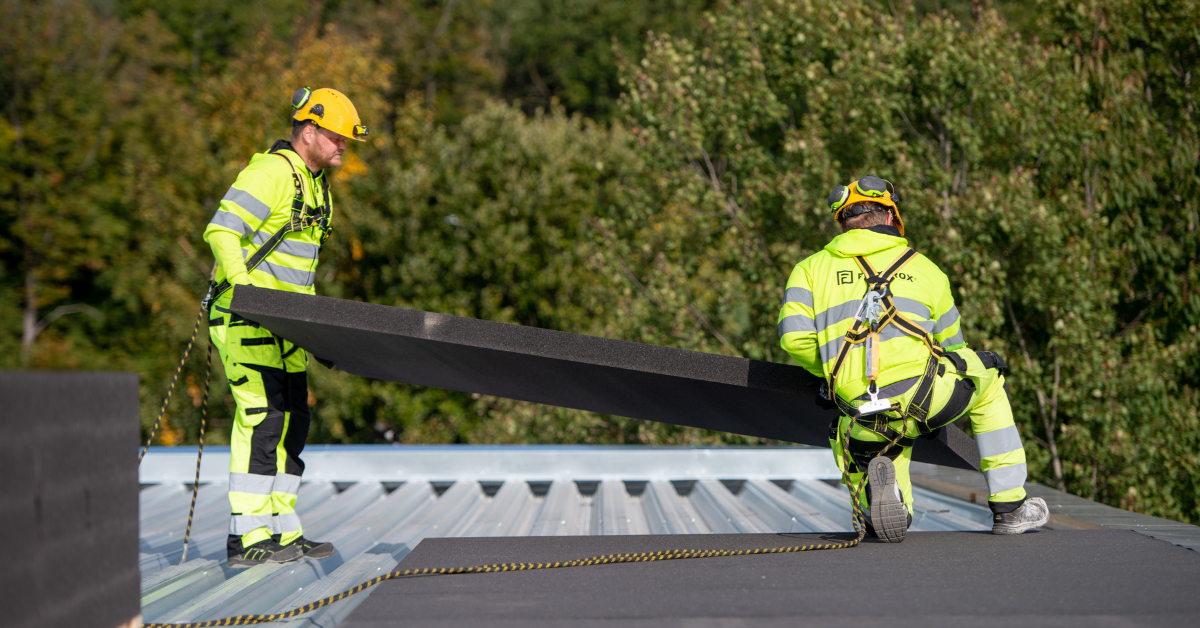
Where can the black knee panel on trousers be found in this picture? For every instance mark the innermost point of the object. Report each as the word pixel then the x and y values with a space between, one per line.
pixel 265 441
pixel 297 431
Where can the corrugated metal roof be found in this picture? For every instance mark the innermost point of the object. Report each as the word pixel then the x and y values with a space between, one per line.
pixel 377 503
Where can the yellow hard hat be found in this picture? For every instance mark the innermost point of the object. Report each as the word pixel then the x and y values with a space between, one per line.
pixel 869 188
pixel 329 109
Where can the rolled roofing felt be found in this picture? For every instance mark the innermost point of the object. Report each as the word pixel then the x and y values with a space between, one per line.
pixel 642 381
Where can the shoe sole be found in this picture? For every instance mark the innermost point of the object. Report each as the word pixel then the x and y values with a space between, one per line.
pixel 1018 529
pixel 889 515
pixel 285 555
pixel 324 550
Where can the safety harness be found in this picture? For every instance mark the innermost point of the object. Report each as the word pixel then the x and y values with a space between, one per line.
pixel 877 311
pixel 303 217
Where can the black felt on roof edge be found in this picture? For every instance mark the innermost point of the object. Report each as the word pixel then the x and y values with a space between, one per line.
pixel 642 381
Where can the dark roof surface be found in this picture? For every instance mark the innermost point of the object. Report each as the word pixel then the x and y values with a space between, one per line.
pixel 378 503
pixel 1047 578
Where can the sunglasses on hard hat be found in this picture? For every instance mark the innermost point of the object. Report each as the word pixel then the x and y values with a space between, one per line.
pixel 868 186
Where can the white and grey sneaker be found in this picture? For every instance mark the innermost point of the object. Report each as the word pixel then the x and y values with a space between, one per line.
pixel 889 515
pixel 1033 514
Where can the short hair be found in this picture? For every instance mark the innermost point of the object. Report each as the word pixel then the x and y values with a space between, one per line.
pixel 876 214
pixel 298 127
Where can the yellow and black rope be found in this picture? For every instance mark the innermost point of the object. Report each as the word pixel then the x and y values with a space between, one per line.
pixel 171 389
pixel 199 453
pixel 203 419
pixel 609 559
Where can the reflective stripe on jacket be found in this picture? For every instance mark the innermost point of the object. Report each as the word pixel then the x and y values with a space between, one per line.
pixel 257 205
pixel 825 290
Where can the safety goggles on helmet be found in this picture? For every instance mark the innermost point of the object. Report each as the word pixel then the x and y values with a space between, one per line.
pixel 869 188
pixel 329 109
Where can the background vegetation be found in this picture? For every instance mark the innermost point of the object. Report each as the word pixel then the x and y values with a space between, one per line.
pixel 640 170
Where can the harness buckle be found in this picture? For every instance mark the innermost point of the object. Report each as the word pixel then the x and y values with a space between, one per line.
pixel 871 309
pixel 204 303
pixel 875 405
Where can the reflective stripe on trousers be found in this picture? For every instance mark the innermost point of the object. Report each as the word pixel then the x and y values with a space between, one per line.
pixel 270 427
pixel 1002 456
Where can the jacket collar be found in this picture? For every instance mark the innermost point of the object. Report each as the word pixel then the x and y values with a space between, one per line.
pixel 282 145
pixel 865 241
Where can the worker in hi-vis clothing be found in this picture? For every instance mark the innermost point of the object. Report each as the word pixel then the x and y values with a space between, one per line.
pixel 267 233
pixel 877 322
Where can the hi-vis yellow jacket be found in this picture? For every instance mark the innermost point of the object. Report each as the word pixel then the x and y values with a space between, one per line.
pixel 258 205
pixel 825 290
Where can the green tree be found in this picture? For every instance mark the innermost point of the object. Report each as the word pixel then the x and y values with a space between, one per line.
pixel 1026 176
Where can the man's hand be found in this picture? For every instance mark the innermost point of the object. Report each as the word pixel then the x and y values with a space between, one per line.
pixel 824 400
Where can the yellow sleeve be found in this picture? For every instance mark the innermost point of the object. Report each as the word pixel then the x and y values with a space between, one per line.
pixel 227 249
pixel 947 326
pixel 797 322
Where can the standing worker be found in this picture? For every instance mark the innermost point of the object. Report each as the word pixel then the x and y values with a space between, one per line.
pixel 877 322
pixel 267 233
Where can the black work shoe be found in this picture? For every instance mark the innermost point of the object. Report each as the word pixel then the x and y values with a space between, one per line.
pixel 313 549
pixel 1033 514
pixel 264 552
pixel 889 515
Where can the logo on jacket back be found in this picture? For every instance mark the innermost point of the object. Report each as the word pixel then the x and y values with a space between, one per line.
pixel 847 277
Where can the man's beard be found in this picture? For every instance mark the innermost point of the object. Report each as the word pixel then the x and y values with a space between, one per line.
pixel 325 162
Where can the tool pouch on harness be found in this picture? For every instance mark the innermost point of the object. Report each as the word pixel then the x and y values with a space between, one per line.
pixel 303 217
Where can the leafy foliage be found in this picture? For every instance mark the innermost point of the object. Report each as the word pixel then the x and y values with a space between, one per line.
pixel 1054 178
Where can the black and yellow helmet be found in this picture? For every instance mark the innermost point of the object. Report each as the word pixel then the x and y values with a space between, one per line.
pixel 869 188
pixel 329 109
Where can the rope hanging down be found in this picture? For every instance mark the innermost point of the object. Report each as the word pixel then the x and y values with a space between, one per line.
pixel 203 419
pixel 243 620
pixel 610 559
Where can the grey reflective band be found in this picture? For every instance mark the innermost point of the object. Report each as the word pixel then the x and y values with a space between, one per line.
pixel 830 349
pixel 894 389
pixel 286 483
pixel 837 314
pixel 240 525
pixel 303 278
pixel 251 483
pixel 946 320
pixel 230 220
pixel 956 339
pixel 1005 478
pixel 796 322
pixel 803 296
pixel 891 331
pixel 911 306
pixel 246 200
pixel 998 442
pixel 295 248
pixel 284 523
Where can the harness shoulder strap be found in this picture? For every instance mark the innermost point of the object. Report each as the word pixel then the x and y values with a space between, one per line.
pixel 859 333
pixel 297 223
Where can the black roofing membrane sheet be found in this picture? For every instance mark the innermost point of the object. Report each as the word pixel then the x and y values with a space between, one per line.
pixel 1045 578
pixel 637 380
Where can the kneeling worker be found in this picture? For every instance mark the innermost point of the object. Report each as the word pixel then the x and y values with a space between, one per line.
pixel 877 322
pixel 267 233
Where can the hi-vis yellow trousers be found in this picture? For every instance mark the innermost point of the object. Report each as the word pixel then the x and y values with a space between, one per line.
pixel 1001 451
pixel 268 379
